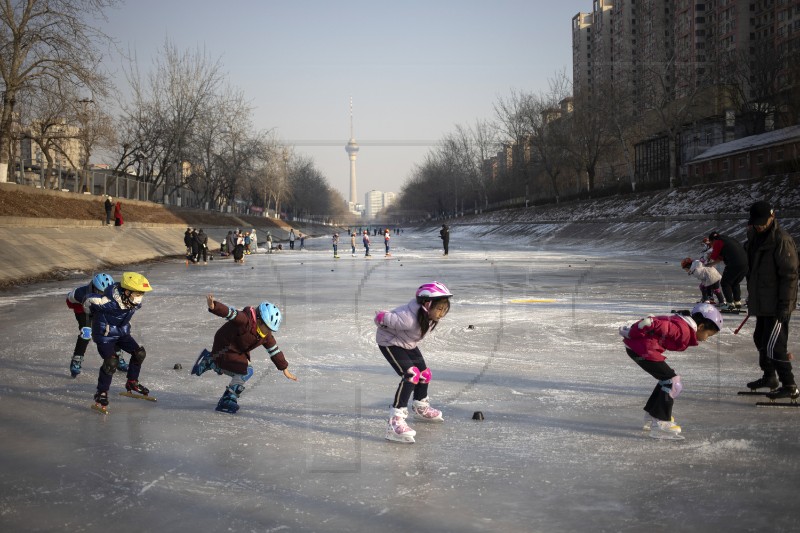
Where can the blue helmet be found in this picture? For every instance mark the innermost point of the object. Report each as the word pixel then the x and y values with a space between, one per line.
pixel 270 314
pixel 102 281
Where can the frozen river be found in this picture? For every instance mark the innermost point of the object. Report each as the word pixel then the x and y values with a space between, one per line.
pixel 531 341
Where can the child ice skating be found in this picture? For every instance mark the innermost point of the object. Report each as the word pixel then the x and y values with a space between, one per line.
pixel 75 300
pixel 335 242
pixel 399 331
pixel 244 331
pixel 709 280
pixel 645 342
pixel 365 242
pixel 353 244
pixel 386 238
pixel 111 331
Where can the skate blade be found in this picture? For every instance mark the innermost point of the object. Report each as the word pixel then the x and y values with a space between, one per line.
pixel 401 440
pixel 777 404
pixel 751 393
pixel 100 409
pixel 662 435
pixel 428 420
pixel 138 396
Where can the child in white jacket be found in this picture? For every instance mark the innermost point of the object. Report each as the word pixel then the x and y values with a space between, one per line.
pixel 399 331
pixel 709 279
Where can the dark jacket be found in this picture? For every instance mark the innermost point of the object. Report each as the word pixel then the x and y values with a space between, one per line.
pixel 187 239
pixel 111 317
pixel 237 337
pixel 730 251
pixel 772 281
pixel 202 239
pixel 444 234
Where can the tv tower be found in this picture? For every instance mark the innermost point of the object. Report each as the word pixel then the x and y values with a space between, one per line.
pixel 352 151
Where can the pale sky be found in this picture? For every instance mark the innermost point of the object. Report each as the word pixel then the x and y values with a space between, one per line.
pixel 415 69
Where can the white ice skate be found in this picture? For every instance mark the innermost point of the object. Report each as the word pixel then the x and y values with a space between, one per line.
pixel 665 429
pixel 397 430
pixel 423 411
pixel 650 421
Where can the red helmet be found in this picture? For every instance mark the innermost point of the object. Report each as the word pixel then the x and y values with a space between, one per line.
pixel 686 263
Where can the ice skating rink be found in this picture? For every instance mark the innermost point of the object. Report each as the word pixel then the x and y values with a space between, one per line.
pixel 531 341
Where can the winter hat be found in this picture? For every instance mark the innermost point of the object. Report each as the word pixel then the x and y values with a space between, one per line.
pixel 760 213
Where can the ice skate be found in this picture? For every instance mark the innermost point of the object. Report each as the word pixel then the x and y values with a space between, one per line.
pixel 649 421
pixel 101 402
pixel 423 411
pixel 665 429
pixel 75 365
pixel 770 382
pixel 134 389
pixel 787 391
pixel 204 363
pixel 122 365
pixel 397 430
pixel 229 402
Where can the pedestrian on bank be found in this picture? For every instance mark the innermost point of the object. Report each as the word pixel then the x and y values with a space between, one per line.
pixel 118 215
pixel 109 210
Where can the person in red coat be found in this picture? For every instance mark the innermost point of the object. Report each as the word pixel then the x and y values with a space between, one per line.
pixel 118 215
pixel 646 341
pixel 243 332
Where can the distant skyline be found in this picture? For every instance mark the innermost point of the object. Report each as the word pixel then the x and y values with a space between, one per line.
pixel 414 70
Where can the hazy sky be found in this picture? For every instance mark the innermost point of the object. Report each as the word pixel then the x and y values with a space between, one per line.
pixel 415 69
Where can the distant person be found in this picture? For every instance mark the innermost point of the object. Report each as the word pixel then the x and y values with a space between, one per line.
pixel 118 215
pixel 292 237
pixel 772 296
pixel 646 341
pixel 202 246
pixel 353 244
pixel 335 241
pixel 230 242
pixel 269 242
pixel 253 241
pixel 731 252
pixel 444 234
pixel 195 247
pixel 302 241
pixel 399 332
pixel 109 210
pixel 238 249
pixel 187 241
pixel 709 280
pixel 365 242
pixel 242 332
pixel 386 238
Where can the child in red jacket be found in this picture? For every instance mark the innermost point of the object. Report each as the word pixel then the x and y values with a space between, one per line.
pixel 244 331
pixel 645 342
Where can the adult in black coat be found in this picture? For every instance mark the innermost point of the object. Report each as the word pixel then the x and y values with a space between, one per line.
pixel 444 234
pixel 728 250
pixel 202 245
pixel 772 296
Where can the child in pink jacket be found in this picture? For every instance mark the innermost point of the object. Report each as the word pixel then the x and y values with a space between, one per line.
pixel 645 342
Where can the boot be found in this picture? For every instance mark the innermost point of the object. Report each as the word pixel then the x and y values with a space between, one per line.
pixel 787 391
pixel 229 402
pixel 135 387
pixel 101 398
pixel 75 365
pixel 423 411
pixel 770 382
pixel 397 430
pixel 204 363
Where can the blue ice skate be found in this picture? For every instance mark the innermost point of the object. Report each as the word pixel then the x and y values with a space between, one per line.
pixel 204 363
pixel 229 402
pixel 75 365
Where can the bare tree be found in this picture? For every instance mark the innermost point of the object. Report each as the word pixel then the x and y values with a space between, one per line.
pixel 47 39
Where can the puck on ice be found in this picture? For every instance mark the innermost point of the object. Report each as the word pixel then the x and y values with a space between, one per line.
pixel 477 415
pixel 177 366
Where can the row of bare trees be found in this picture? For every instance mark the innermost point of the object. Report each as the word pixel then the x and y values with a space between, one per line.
pixel 182 127
pixel 545 146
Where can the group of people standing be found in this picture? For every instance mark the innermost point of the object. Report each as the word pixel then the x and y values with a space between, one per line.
pixel 769 262
pixel 239 243
pixel 196 242
pixel 117 212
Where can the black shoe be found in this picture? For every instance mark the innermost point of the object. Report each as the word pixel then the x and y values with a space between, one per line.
pixel 101 398
pixel 787 391
pixel 134 386
pixel 762 383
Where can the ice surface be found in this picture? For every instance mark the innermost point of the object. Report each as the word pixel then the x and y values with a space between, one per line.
pixel 561 447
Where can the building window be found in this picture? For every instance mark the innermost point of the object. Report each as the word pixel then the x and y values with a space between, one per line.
pixel 760 159
pixel 779 155
pixel 741 162
pixel 725 165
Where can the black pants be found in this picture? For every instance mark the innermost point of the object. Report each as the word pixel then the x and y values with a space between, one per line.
pixel 770 338
pixel 708 292
pixel 401 360
pixel 446 246
pixel 732 276
pixel 659 405
pixel 81 344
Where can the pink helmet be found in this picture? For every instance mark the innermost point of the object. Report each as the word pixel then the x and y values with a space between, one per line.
pixel 432 291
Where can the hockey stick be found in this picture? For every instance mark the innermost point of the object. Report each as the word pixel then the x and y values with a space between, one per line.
pixel 736 331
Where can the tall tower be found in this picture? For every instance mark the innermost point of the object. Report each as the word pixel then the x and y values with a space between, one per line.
pixel 352 151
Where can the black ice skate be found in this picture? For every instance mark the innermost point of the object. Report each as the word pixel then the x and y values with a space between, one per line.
pixel 134 389
pixel 765 382
pixel 787 391
pixel 101 402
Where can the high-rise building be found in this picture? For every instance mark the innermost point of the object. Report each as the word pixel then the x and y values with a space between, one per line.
pixel 373 203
